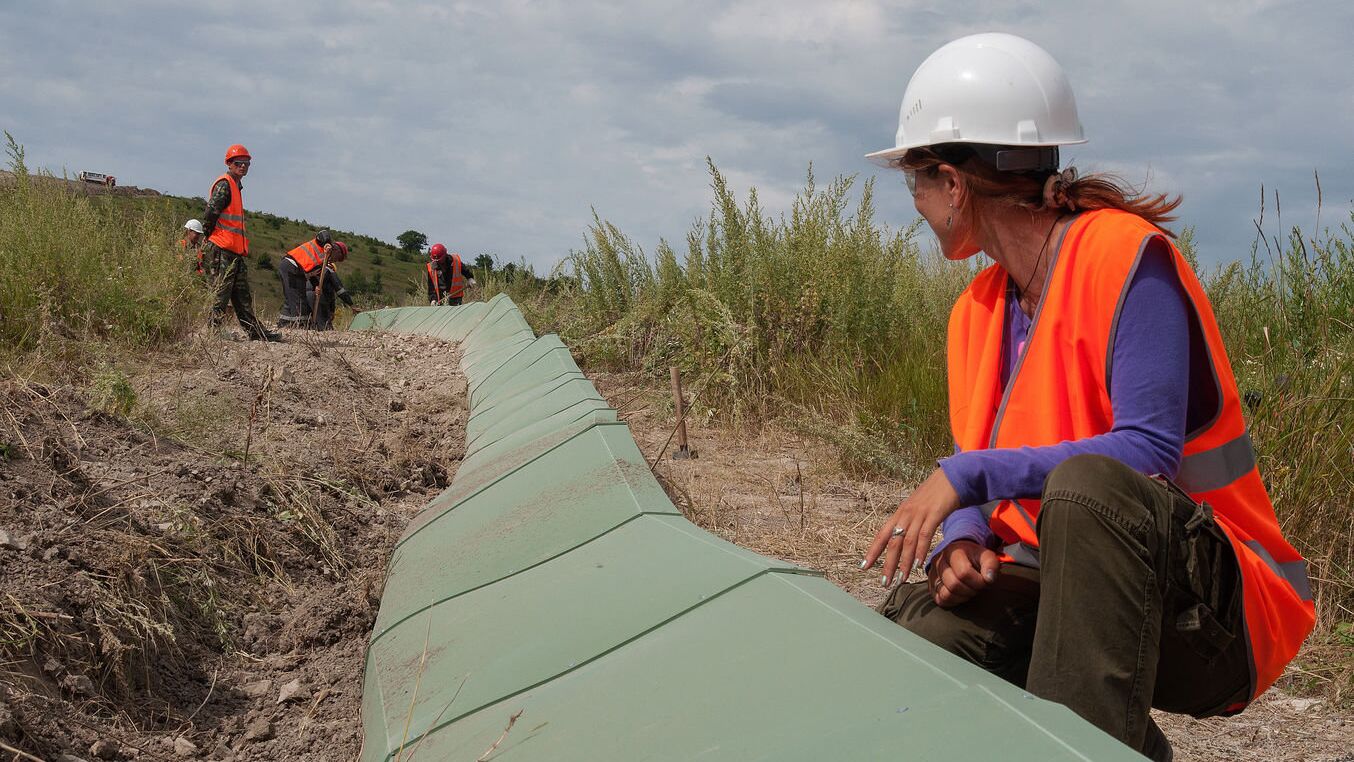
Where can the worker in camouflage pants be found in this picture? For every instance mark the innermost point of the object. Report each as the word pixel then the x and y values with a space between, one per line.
pixel 227 247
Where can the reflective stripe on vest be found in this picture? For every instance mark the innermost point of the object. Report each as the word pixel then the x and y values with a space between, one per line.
pixel 308 256
pixel 1216 468
pixel 229 231
pixel 1058 391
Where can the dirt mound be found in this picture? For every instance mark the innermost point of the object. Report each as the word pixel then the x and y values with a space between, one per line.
pixel 92 189
pixel 198 576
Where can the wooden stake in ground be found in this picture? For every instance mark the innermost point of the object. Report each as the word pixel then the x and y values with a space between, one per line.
pixel 683 451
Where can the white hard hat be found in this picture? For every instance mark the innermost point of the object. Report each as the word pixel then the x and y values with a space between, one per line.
pixel 994 88
pixel 194 226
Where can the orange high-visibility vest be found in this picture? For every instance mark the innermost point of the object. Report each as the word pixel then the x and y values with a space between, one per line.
pixel 308 256
pixel 229 231
pixel 1059 391
pixel 457 287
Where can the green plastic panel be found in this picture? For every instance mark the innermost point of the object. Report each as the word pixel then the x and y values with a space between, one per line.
pixel 778 668
pixel 511 432
pixel 542 402
pixel 629 573
pixel 555 578
pixel 559 501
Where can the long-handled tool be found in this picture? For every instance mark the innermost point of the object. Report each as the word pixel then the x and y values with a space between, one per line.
pixel 315 312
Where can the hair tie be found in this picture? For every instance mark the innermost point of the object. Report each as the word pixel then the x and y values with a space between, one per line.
pixel 1055 189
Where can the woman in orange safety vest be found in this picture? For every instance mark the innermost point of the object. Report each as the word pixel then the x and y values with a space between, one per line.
pixel 1109 543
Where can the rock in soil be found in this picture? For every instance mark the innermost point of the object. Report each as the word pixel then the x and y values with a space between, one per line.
pixel 259 730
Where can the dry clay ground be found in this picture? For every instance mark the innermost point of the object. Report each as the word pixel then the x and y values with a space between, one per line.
pixel 165 596
pixel 784 496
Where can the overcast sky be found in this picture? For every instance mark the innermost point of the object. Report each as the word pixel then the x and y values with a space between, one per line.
pixel 496 126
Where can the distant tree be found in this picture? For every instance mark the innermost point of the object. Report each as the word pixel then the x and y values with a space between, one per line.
pixel 264 262
pixel 484 263
pixel 412 241
pixel 509 270
pixel 377 284
pixel 377 260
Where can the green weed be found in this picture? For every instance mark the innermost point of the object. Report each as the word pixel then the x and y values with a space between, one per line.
pixel 112 393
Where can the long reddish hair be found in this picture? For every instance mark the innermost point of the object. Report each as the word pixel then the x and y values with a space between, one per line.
pixel 1038 190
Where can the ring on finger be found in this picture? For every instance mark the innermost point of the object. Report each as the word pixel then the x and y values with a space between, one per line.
pixel 899 531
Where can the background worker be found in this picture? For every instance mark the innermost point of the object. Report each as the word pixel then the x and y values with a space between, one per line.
pixel 227 246
pixel 447 278
pixel 331 291
pixel 1083 361
pixel 192 242
pixel 299 272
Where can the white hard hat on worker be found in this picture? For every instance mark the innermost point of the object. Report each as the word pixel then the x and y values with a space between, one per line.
pixel 993 89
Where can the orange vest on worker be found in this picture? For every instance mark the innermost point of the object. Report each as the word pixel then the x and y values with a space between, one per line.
pixel 183 244
pixel 308 256
pixel 1059 391
pixel 229 231
pixel 456 287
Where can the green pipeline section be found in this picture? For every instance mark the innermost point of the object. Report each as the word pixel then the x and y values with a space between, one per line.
pixel 555 582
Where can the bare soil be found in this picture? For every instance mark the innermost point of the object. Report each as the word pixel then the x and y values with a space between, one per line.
pixel 787 496
pixel 197 577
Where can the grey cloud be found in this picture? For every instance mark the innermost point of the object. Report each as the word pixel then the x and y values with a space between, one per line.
pixel 498 126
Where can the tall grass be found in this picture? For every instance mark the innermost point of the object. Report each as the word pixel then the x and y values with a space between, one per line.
pixel 81 278
pixel 828 320
pixel 1286 319
pixel 820 314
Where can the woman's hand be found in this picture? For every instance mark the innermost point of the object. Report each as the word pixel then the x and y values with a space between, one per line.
pixel 960 571
pixel 907 534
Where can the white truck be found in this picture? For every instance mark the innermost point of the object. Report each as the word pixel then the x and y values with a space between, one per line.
pixel 98 178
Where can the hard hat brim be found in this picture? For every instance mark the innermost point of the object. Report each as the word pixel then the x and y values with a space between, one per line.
pixel 888 156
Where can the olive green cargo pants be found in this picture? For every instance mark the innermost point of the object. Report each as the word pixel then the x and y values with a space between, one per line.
pixel 230 286
pixel 1136 604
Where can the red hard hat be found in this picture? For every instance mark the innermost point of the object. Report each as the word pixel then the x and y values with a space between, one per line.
pixel 341 249
pixel 237 151
pixel 437 251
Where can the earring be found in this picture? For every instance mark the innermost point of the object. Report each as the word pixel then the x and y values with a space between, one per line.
pixel 950 218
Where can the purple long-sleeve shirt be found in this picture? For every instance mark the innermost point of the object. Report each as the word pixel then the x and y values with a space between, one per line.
pixel 1148 394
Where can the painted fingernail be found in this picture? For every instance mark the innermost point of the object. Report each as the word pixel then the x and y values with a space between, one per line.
pixel 884 581
pixel 864 564
pixel 916 564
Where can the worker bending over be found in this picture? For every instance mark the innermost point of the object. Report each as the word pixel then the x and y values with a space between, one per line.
pixel 446 276
pixel 299 272
pixel 1108 541
pixel 227 246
